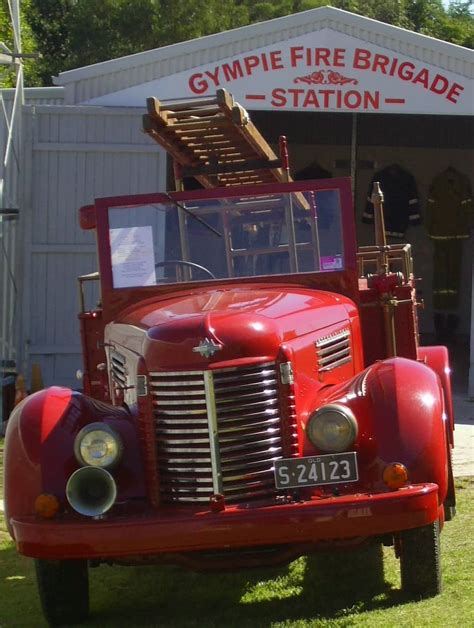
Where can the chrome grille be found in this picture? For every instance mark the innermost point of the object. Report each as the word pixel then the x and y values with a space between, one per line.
pixel 333 350
pixel 223 436
pixel 117 368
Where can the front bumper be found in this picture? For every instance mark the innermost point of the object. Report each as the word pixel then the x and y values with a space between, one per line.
pixel 168 531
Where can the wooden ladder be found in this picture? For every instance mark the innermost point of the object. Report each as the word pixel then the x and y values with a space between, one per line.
pixel 214 141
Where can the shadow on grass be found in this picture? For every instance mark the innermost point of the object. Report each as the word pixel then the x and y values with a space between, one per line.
pixel 19 604
pixel 170 597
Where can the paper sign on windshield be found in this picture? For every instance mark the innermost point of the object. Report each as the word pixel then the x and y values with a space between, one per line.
pixel 133 258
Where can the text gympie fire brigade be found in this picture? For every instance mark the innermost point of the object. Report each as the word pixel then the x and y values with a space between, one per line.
pixel 299 57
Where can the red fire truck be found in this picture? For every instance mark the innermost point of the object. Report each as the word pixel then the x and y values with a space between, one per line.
pixel 253 386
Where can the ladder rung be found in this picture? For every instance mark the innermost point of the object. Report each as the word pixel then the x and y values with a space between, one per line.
pixel 186 113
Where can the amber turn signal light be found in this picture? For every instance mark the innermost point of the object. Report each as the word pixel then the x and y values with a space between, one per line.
pixel 395 475
pixel 46 506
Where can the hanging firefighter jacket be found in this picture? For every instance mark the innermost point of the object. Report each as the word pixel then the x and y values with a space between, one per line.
pixel 448 220
pixel 449 208
pixel 401 204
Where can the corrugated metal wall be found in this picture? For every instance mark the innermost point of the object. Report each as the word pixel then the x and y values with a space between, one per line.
pixel 8 289
pixel 12 174
pixel 76 154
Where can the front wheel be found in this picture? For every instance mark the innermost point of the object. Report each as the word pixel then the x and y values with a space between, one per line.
pixel 420 561
pixel 63 587
pixel 450 501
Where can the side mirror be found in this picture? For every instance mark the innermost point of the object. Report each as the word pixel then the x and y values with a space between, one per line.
pixel 87 219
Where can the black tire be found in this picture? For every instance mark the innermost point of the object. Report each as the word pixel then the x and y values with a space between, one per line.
pixel 63 587
pixel 450 501
pixel 420 563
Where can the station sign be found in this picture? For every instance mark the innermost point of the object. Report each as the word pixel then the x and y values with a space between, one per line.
pixel 320 71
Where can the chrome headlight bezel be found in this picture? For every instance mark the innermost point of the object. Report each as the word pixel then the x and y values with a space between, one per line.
pixel 110 438
pixel 343 439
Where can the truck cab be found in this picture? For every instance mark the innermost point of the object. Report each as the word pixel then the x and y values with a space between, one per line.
pixel 253 390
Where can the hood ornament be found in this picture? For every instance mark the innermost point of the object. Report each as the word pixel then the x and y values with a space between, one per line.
pixel 207 348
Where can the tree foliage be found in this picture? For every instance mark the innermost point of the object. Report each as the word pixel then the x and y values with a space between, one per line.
pixel 75 33
pixel 28 40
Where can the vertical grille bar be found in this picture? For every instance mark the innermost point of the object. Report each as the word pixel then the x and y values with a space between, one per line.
pixel 213 433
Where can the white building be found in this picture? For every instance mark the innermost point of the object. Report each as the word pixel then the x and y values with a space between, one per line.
pixel 349 92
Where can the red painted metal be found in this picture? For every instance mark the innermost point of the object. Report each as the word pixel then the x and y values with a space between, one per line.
pixel 94 378
pixel 87 217
pixel 400 404
pixel 247 322
pixel 39 452
pixel 437 358
pixel 321 519
pixel 373 332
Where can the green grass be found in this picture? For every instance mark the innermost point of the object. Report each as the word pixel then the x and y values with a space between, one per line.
pixel 281 598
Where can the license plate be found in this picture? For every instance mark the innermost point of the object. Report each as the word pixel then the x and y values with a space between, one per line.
pixel 316 470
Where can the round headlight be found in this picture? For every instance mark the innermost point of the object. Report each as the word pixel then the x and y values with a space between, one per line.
pixel 97 445
pixel 332 428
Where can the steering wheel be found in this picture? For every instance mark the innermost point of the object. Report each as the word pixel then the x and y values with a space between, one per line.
pixel 182 262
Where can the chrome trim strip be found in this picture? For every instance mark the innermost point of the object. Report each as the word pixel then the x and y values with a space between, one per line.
pixel 242 376
pixel 251 385
pixel 178 429
pixel 266 442
pixel 213 433
pixel 181 393
pixel 170 422
pixel 185 450
pixel 251 367
pixel 188 402
pixel 335 364
pixel 246 465
pixel 187 441
pixel 250 396
pixel 183 412
pixel 334 357
pixel 175 383
pixel 261 425
pixel 176 374
pixel 333 347
pixel 188 460
pixel 244 416
pixel 254 404
pixel 322 342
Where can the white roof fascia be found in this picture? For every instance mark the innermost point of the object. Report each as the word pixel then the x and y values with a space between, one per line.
pixel 115 74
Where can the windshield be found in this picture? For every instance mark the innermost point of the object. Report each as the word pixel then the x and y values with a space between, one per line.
pixel 224 238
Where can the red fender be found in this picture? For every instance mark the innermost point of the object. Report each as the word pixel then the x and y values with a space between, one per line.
pixel 409 420
pixel 399 408
pixel 39 447
pixel 437 358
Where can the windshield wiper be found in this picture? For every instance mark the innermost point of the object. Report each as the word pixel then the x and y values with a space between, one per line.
pixel 190 213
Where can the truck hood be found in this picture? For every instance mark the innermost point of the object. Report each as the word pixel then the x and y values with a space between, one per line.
pixel 241 322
